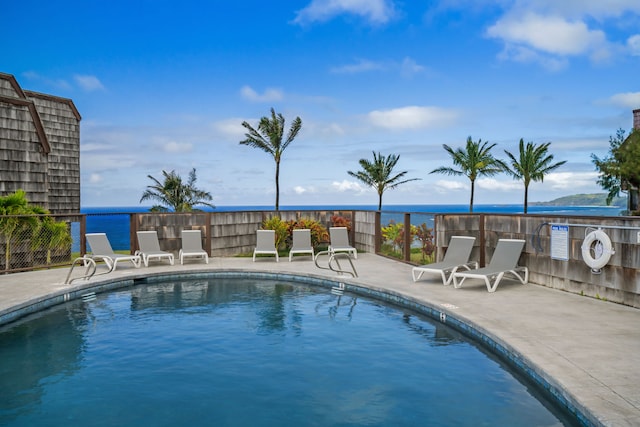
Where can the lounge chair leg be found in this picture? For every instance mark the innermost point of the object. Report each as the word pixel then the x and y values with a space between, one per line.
pixel 457 284
pixel 495 282
pixel 446 280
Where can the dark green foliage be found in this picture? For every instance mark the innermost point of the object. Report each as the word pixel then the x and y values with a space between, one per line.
pixel 378 174
pixel 473 161
pixel 268 138
pixel 532 164
pixel 620 170
pixel 173 194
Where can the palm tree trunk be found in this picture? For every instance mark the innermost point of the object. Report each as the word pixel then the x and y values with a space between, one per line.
pixel 277 185
pixel 7 254
pixel 526 198
pixel 471 200
pixel 380 201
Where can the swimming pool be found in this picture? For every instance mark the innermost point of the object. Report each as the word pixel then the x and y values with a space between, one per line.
pixel 230 351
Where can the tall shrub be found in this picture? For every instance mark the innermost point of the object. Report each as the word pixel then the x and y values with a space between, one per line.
pixel 424 235
pixel 280 227
pixel 319 232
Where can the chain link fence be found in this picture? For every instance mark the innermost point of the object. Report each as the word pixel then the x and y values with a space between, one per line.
pixel 29 242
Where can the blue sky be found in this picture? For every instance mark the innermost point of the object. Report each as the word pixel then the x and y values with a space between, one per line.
pixel 166 85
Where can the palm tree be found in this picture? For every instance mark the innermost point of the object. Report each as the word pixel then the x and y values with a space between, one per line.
pixel 174 194
pixel 377 174
pixel 473 162
pixel 533 164
pixel 51 235
pixel 268 138
pixel 17 221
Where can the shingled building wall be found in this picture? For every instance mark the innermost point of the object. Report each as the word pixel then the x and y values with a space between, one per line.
pixel 39 147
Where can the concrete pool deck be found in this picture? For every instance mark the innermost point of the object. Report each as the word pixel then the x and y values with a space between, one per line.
pixel 588 349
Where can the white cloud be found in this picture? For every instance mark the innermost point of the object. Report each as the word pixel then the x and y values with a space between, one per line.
pixel 444 186
pixel 88 83
pixel 412 117
pixel 573 181
pixel 499 185
pixel 334 129
pixel 57 83
pixel 597 9
pixel 409 67
pixel 551 34
pixel 633 44
pixel 177 147
pixel 548 39
pixel 566 28
pixel 526 55
pixel 269 95
pixel 375 11
pixel 627 100
pixel 95 178
pixel 299 189
pixel 93 147
pixel 231 127
pixel 361 66
pixel 346 185
pixel 107 160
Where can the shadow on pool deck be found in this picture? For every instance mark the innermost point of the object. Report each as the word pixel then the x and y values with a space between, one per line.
pixel 588 349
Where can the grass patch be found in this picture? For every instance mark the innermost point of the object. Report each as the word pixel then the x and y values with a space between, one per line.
pixel 416 256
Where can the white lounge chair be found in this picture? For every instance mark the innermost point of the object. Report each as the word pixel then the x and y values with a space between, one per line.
pixel 504 260
pixel 192 246
pixel 101 250
pixel 457 256
pixel 340 241
pixel 265 244
pixel 150 248
pixel 301 243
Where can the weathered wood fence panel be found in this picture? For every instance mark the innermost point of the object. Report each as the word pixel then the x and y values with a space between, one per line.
pixel 618 281
pixel 233 233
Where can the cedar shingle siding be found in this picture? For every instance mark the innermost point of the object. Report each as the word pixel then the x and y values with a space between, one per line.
pixel 39 147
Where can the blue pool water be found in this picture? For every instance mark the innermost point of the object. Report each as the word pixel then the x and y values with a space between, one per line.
pixel 249 352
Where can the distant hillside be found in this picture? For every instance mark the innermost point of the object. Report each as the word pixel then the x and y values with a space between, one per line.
pixel 594 199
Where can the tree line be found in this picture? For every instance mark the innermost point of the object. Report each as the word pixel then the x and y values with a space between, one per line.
pixel 530 164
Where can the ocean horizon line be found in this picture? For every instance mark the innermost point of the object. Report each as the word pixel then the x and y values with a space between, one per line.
pixel 114 220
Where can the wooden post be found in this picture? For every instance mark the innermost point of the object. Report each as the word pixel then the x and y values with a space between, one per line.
pixel 377 237
pixel 407 237
pixel 133 227
pixel 83 231
pixel 482 240
pixel 207 231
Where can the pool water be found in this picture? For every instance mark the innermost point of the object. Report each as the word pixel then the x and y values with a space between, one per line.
pixel 248 352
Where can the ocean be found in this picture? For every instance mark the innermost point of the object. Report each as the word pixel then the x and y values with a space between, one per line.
pixel 114 220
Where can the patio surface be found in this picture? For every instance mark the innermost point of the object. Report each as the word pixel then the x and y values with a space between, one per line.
pixel 586 348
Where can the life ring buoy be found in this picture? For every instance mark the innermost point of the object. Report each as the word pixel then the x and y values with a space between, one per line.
pixel 597 249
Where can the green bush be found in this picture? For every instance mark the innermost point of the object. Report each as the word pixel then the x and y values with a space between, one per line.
pixel 393 234
pixel 280 227
pixel 319 232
